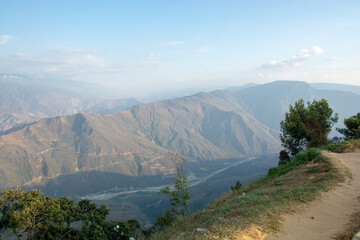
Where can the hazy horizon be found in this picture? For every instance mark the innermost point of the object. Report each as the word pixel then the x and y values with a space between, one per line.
pixel 141 47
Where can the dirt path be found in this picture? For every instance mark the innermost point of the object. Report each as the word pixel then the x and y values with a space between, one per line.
pixel 331 213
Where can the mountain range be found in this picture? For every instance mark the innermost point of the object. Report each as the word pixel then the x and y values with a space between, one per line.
pixel 132 144
pixel 25 100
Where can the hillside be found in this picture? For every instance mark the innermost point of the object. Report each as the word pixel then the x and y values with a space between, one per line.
pixel 332 212
pixel 133 142
pixel 313 197
pixel 120 148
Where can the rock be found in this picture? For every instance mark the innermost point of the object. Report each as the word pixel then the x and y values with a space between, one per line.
pixel 356 236
pixel 201 230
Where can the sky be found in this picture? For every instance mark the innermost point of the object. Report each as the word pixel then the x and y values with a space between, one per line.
pixel 144 46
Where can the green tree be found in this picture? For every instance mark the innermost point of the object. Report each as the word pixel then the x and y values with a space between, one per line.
pixel 163 221
pixel 237 186
pixel 34 216
pixel 284 157
pixel 306 127
pixel 30 213
pixel 180 196
pixel 352 130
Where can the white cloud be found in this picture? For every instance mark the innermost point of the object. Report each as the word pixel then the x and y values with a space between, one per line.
pixel 294 61
pixel 4 39
pixel 78 64
pixel 205 49
pixel 317 50
pixel 151 55
pixel 303 53
pixel 92 60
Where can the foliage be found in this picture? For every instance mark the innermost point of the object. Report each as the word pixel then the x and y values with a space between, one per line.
pixel 237 186
pixel 163 221
pixel 234 215
pixel 352 130
pixel 284 157
pixel 34 216
pixel 345 146
pixel 306 127
pixel 313 154
pixel 180 196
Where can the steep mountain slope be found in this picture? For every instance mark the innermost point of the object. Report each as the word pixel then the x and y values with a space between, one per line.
pixel 134 142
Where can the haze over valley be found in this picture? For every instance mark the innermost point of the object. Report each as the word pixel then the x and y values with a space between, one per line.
pixel 93 96
pixel 85 154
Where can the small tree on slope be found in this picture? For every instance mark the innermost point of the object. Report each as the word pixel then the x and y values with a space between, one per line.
pixel 180 196
pixel 306 127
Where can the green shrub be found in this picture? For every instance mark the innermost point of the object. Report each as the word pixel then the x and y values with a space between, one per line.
pixel 237 186
pixel 300 158
pixel 333 147
pixel 313 153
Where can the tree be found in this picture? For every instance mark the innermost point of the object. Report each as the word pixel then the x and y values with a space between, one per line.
pixel 306 127
pixel 352 130
pixel 284 157
pixel 180 196
pixel 30 214
pixel 34 216
pixel 237 186
pixel 163 221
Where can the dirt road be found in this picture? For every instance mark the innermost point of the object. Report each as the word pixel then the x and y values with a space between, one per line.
pixel 328 215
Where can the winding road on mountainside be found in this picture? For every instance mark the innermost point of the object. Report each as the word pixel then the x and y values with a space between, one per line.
pixel 330 214
pixel 192 179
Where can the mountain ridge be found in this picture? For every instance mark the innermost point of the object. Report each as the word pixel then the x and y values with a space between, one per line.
pixel 134 142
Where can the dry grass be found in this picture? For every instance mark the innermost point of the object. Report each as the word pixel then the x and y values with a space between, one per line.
pixel 283 190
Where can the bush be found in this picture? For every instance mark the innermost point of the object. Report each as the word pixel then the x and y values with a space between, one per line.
pixel 284 157
pixel 300 158
pixel 237 186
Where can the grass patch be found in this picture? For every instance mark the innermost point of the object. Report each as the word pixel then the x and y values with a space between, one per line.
pixel 266 199
pixel 343 147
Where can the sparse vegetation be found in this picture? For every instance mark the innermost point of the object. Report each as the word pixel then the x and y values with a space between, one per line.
pixel 280 191
pixel 259 205
pixel 237 186
pixel 345 146
pixel 180 196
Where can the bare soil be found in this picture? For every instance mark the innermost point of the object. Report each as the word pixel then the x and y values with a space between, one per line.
pixel 331 213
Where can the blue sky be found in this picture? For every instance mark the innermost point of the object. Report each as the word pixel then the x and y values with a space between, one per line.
pixel 144 46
